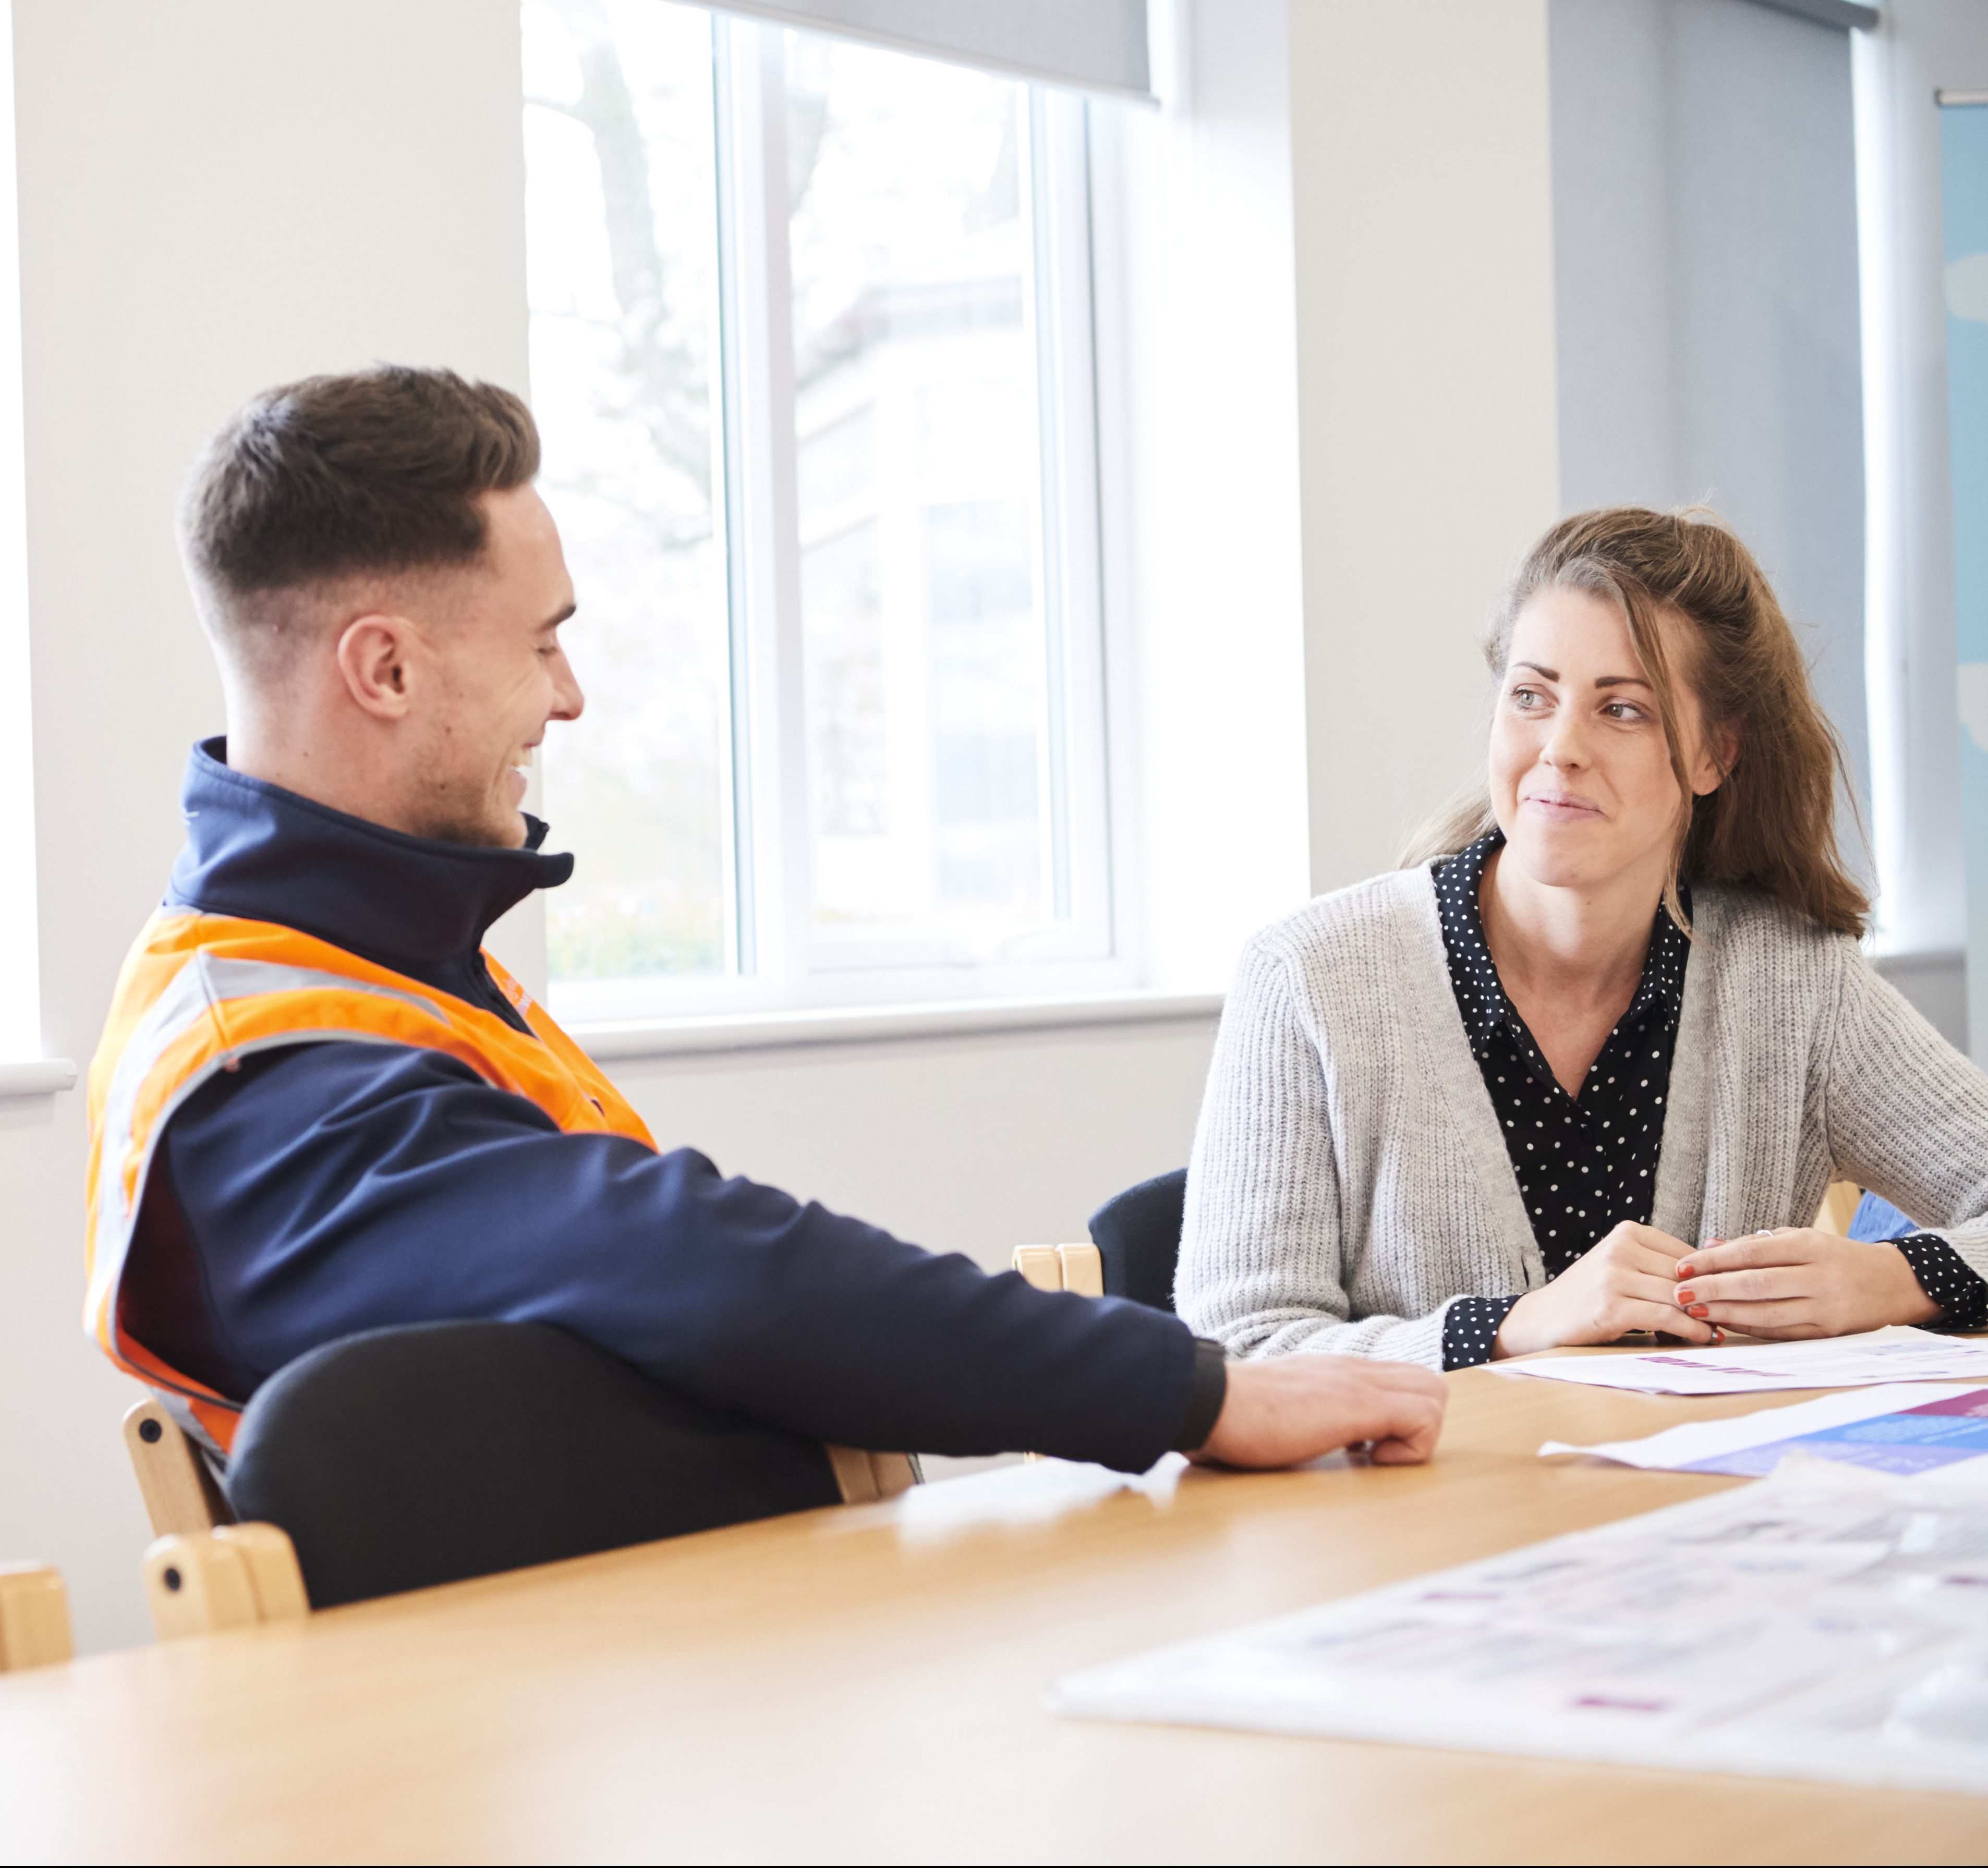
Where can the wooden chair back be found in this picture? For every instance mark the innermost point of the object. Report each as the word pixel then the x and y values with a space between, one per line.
pixel 34 1617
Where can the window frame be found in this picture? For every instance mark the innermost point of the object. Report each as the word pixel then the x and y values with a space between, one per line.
pixel 775 959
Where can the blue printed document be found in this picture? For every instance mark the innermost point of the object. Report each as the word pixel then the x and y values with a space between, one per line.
pixel 1905 1428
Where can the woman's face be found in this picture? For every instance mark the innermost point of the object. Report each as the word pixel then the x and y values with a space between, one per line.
pixel 1581 781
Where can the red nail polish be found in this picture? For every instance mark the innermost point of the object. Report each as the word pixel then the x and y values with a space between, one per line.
pixel 1685 1297
pixel 1701 1310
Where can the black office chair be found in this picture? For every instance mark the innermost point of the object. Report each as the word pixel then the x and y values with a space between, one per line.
pixel 400 1458
pixel 1138 1235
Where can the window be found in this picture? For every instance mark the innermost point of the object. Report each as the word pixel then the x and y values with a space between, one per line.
pixel 811 353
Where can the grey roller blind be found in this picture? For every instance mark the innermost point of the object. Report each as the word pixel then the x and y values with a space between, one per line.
pixel 1704 222
pixel 1087 45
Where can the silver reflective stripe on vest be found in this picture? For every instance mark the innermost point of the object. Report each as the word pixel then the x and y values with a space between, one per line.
pixel 205 1446
pixel 197 991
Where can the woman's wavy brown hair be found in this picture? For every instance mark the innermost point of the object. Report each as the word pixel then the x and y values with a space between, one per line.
pixel 1771 824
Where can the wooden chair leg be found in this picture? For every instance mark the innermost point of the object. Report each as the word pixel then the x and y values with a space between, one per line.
pixel 180 1493
pixel 237 1576
pixel 34 1617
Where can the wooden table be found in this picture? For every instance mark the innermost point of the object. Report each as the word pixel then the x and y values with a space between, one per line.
pixel 865 1684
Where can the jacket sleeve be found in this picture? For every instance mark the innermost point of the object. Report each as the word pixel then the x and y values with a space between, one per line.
pixel 330 1188
pixel 1907 1115
pixel 1263 1265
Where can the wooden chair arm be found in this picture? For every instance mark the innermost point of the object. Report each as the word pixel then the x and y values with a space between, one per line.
pixel 1063 1267
pixel 237 1575
pixel 865 1478
pixel 180 1496
pixel 34 1617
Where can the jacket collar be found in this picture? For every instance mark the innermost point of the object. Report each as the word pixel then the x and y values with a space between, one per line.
pixel 257 851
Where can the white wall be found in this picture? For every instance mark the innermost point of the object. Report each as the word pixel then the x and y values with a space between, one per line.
pixel 968 1144
pixel 1422 203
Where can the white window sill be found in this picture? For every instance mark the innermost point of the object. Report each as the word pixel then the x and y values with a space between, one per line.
pixel 41 1076
pixel 774 1031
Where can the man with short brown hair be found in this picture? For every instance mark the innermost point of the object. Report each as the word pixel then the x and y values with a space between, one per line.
pixel 319 1107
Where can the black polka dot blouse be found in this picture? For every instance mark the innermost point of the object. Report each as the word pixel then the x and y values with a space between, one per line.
pixel 1586 1165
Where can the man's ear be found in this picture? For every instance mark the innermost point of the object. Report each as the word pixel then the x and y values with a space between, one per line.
pixel 373 656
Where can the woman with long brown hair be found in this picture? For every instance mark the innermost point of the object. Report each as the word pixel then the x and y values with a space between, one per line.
pixel 1586 1064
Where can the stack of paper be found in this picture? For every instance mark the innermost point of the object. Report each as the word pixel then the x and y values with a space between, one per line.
pixel 1897 1354
pixel 1829 1623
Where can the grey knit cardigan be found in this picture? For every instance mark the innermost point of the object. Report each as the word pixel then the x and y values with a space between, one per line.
pixel 1349 1177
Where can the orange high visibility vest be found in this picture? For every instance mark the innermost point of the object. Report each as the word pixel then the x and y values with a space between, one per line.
pixel 199 992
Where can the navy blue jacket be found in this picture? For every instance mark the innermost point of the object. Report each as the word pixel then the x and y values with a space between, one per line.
pixel 328 1187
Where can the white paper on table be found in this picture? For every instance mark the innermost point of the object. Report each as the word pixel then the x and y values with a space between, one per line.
pixel 1752 1444
pixel 1898 1353
pixel 1829 1624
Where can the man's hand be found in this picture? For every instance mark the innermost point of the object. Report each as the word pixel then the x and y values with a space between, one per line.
pixel 1796 1282
pixel 1626 1280
pixel 1291 1408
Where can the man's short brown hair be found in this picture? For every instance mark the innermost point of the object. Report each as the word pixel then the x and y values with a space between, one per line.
pixel 338 476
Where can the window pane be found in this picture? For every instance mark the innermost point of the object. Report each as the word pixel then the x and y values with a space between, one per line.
pixel 919 469
pixel 621 226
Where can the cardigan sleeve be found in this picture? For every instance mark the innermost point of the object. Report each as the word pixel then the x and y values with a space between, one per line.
pixel 1263 1254
pixel 1906 1115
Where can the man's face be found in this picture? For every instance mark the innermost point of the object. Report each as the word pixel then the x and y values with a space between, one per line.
pixel 496 676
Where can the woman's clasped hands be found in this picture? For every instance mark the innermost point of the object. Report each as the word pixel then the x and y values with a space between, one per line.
pixel 1626 1280
pixel 1788 1284
pixel 1795 1281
